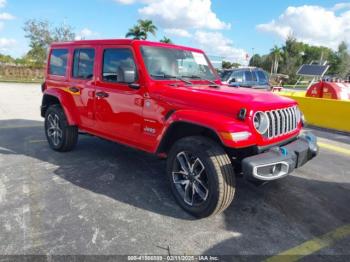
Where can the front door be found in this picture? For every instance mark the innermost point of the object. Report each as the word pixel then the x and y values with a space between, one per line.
pixel 118 108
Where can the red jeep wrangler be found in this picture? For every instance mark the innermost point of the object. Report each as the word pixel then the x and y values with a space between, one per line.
pixel 168 100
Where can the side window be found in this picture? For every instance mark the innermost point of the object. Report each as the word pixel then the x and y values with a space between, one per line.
pixel 249 76
pixel 83 63
pixel 58 62
pixel 115 61
pixel 262 76
pixel 238 76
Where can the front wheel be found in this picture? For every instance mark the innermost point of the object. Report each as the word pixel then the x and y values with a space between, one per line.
pixel 60 136
pixel 201 176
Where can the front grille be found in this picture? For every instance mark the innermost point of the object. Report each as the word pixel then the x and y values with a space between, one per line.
pixel 282 121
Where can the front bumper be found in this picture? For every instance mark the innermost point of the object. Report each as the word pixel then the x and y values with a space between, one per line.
pixel 278 162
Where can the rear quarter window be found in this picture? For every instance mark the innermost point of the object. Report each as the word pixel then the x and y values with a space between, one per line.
pixel 262 76
pixel 58 62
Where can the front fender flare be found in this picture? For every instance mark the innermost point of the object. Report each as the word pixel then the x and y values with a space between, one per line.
pixel 218 123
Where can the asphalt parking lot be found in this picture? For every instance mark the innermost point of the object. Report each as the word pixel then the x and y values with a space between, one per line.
pixel 105 199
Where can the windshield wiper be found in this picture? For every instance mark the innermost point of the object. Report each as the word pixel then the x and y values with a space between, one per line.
pixel 172 77
pixel 200 78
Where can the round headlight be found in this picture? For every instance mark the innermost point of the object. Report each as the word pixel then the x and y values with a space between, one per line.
pixel 261 122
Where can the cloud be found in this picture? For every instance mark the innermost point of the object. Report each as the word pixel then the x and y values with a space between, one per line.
pixel 184 14
pixel 85 34
pixel 129 2
pixel 177 32
pixel 193 19
pixel 2 3
pixel 340 6
pixel 215 43
pixel 312 24
pixel 7 43
pixel 125 2
pixel 6 16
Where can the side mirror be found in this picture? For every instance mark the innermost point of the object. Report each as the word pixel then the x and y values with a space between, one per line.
pixel 128 75
pixel 233 80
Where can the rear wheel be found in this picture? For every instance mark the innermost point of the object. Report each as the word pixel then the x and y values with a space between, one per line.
pixel 60 136
pixel 201 176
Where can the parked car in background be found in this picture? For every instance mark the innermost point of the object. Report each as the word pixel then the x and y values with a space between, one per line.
pixel 250 77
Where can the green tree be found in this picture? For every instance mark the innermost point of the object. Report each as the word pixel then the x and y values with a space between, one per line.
pixel 136 33
pixel 229 65
pixel 293 54
pixel 147 26
pixel 344 60
pixel 63 33
pixel 276 54
pixel 292 58
pixel 41 34
pixel 256 61
pixel 166 40
pixel 226 65
pixel 6 59
pixel 235 65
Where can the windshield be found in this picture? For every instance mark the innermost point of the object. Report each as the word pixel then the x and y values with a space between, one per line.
pixel 168 63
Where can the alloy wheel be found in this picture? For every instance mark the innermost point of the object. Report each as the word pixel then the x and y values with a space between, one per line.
pixel 190 179
pixel 54 130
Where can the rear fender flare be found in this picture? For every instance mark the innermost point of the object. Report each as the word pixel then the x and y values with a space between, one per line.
pixel 67 103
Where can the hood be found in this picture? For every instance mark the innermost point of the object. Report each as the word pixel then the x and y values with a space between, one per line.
pixel 220 99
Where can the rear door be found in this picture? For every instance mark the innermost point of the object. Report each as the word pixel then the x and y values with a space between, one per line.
pixel 82 83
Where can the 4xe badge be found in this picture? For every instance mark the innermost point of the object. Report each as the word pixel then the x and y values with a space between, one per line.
pixel 149 130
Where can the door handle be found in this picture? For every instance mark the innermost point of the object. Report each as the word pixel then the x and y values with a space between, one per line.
pixel 74 89
pixel 102 94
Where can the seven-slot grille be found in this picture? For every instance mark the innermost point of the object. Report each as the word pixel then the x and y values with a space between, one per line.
pixel 282 121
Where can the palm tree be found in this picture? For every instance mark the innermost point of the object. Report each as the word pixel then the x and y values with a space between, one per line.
pixel 166 40
pixel 147 26
pixel 136 33
pixel 276 53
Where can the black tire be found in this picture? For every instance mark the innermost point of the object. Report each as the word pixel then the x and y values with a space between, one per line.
pixel 215 192
pixel 68 137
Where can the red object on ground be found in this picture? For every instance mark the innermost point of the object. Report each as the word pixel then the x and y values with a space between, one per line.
pixel 330 90
pixel 277 88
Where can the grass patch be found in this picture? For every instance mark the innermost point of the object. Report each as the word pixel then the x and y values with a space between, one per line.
pixel 297 86
pixel 18 80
